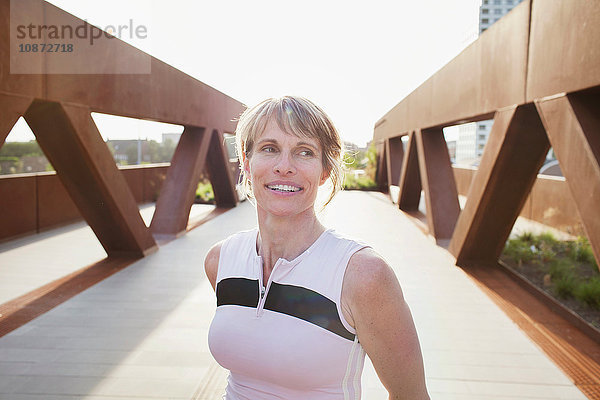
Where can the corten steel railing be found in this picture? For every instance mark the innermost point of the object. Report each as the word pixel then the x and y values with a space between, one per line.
pixel 537 73
pixel 549 202
pixel 58 109
pixel 35 202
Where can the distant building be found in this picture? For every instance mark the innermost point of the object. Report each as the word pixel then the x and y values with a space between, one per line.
pixel 34 164
pixel 351 147
pixel 491 11
pixel 466 144
pixel 452 150
pixel 230 146
pixel 129 152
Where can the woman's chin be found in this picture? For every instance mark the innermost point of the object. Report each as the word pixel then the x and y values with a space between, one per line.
pixel 281 212
pixel 285 210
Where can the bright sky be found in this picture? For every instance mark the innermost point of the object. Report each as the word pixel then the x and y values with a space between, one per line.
pixel 356 59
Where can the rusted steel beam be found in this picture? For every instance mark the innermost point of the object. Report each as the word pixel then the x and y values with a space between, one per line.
pixel 394 160
pixel 514 153
pixel 388 162
pixel 539 49
pixel 179 189
pixel 11 83
pixel 220 173
pixel 563 50
pixel 18 206
pixel 36 202
pixel 489 74
pixel 11 109
pixel 69 138
pixel 381 176
pixel 410 178
pixel 573 126
pixel 166 95
pixel 107 77
pixel 437 178
pixel 162 93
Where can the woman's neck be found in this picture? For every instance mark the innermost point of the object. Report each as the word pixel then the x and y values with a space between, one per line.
pixel 285 237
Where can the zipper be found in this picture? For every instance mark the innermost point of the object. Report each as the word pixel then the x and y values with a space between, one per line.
pixel 264 290
pixel 261 288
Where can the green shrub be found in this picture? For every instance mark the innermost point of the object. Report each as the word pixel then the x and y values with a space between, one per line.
pixel 548 239
pixel 519 251
pixel 352 159
pixel 580 250
pixel 526 237
pixel 547 247
pixel 9 164
pixel 570 264
pixel 362 182
pixel 561 269
pixel 588 292
pixel 565 287
pixel 547 254
pixel 205 192
pixel 563 278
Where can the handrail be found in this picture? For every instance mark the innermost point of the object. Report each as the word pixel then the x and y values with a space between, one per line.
pixel 539 49
pixel 536 72
pixel 165 94
pixel 56 94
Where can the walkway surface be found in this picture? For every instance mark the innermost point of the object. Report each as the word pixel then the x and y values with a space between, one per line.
pixel 141 333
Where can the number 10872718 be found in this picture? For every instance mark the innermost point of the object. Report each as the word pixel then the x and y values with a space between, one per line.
pixel 45 47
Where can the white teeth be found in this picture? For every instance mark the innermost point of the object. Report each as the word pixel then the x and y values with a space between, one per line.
pixel 284 188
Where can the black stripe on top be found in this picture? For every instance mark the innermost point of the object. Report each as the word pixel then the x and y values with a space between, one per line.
pixel 237 291
pixel 308 305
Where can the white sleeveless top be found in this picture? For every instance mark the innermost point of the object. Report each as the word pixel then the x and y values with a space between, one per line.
pixel 286 338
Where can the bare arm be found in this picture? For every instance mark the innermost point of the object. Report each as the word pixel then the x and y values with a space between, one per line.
pixel 211 263
pixel 373 301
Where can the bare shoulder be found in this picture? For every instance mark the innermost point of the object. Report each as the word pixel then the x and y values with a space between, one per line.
pixel 211 263
pixel 368 273
pixel 384 324
pixel 368 282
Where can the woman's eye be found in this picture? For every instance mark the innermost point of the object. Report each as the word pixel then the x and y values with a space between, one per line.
pixel 268 149
pixel 306 153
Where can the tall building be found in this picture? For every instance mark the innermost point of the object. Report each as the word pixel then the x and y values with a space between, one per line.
pixel 473 137
pixel 466 145
pixel 491 11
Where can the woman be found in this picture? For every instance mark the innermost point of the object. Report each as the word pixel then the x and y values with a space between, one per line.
pixel 298 305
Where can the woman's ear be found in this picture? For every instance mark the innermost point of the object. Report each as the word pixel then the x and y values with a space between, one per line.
pixel 245 163
pixel 324 177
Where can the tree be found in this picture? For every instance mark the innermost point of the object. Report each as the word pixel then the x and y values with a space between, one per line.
pixel 20 149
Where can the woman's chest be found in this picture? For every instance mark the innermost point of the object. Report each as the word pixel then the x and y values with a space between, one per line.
pixel 279 348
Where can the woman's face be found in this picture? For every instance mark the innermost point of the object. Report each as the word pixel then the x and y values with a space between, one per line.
pixel 285 171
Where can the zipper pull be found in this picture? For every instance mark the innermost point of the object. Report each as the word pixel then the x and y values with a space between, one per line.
pixel 262 292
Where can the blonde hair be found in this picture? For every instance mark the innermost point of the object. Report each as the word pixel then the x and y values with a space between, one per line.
pixel 296 116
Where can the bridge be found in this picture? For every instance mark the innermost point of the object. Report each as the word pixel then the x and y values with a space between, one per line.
pixel 126 313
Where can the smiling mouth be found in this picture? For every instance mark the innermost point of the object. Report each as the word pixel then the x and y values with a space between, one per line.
pixel 284 188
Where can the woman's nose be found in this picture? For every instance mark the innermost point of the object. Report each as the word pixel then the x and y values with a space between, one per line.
pixel 284 165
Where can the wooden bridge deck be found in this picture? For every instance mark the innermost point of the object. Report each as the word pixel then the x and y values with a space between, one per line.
pixel 141 332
